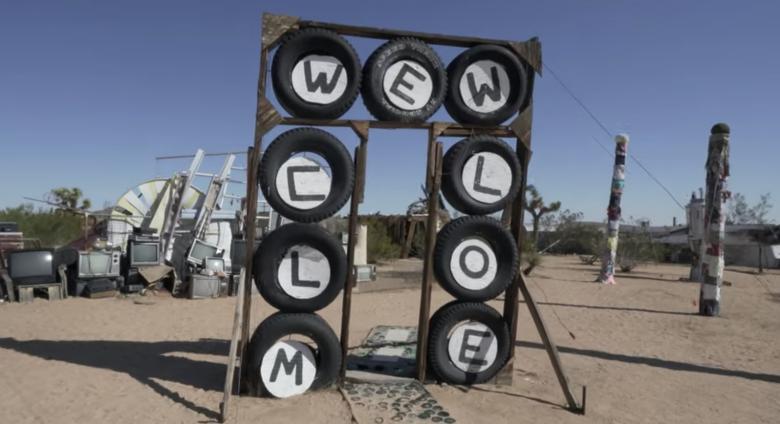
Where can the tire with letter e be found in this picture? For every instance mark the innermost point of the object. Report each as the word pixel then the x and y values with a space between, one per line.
pixel 316 74
pixel 281 366
pixel 297 186
pixel 300 268
pixel 404 80
pixel 468 343
pixel 475 258
pixel 487 85
pixel 480 175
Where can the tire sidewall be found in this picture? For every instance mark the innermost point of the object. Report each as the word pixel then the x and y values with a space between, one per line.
pixel 272 250
pixel 452 174
pixel 439 346
pixel 301 44
pixel 315 141
pixel 518 79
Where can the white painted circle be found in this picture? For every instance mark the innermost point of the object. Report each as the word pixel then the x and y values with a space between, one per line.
pixel 407 85
pixel 472 346
pixel 478 88
pixel 319 79
pixel 305 186
pixel 288 368
pixel 487 177
pixel 473 264
pixel 304 272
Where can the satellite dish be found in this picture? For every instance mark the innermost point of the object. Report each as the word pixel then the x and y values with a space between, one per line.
pixel 145 205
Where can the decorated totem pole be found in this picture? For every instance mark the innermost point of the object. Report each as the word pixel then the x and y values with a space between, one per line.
pixel 607 275
pixel 714 220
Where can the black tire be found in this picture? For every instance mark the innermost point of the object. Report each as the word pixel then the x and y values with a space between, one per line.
pixel 501 107
pixel 443 326
pixel 332 102
pixel 327 352
pixel 480 198
pixel 498 266
pixel 398 104
pixel 310 140
pixel 294 293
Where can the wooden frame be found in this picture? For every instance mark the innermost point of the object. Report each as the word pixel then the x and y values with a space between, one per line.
pixel 274 27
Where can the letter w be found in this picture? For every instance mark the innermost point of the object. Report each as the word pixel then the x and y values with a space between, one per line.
pixel 321 82
pixel 479 96
pixel 296 364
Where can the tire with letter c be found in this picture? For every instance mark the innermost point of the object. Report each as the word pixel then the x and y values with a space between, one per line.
pixel 468 343
pixel 298 187
pixel 315 74
pixel 480 175
pixel 279 366
pixel 475 258
pixel 487 85
pixel 300 268
pixel 404 80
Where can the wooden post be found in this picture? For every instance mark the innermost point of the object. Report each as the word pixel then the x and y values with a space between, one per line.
pixel 607 274
pixel 224 407
pixel 433 184
pixel 714 220
pixel 346 307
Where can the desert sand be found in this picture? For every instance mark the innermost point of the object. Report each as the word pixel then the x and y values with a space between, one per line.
pixel 644 354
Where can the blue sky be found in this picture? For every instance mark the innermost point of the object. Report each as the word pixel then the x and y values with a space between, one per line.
pixel 92 91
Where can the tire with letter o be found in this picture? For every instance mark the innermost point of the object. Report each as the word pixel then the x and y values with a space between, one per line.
pixel 283 368
pixel 487 85
pixel 316 74
pixel 480 175
pixel 468 343
pixel 298 187
pixel 475 258
pixel 404 80
pixel 300 268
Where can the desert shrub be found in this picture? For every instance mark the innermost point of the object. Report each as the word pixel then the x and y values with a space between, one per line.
pixel 530 257
pixel 380 242
pixel 636 248
pixel 52 228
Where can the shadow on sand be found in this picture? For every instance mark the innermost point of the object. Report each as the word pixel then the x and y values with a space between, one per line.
pixel 658 363
pixel 144 361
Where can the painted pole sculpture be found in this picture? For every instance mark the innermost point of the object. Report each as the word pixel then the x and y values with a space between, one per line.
pixel 607 275
pixel 714 221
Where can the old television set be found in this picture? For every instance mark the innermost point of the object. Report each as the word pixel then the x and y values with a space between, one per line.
pixel 201 250
pixel 214 264
pixel 32 266
pixel 99 264
pixel 144 253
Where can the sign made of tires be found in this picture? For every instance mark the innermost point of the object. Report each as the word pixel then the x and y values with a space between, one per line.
pixel 307 175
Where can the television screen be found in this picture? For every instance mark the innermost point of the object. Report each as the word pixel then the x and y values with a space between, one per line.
pixel 201 250
pixel 214 264
pixel 145 253
pixel 31 266
pixel 94 263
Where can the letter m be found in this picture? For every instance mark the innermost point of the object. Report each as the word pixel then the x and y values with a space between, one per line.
pixel 290 366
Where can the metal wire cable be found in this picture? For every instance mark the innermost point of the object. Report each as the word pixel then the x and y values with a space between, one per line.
pixel 608 132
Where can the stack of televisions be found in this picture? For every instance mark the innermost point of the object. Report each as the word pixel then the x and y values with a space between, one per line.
pixel 299 268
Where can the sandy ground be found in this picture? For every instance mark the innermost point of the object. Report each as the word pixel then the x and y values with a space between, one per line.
pixel 643 353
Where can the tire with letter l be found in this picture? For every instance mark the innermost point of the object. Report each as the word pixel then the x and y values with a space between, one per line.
pixel 315 74
pixel 480 175
pixel 280 366
pixel 300 268
pixel 468 343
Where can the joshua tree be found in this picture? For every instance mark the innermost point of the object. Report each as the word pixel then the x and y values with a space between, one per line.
pixel 534 204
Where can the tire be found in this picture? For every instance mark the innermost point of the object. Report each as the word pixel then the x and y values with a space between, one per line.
pixel 404 80
pixel 449 325
pixel 480 175
pixel 315 74
pixel 473 98
pixel 300 268
pixel 278 184
pixel 475 259
pixel 324 357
